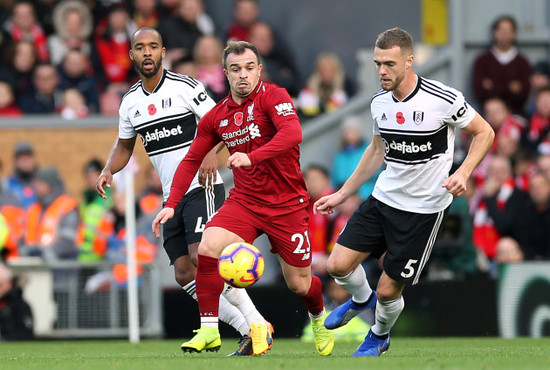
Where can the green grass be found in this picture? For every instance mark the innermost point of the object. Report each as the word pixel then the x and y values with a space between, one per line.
pixel 404 354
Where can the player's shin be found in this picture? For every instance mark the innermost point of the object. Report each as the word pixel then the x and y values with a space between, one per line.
pixel 387 314
pixel 314 297
pixel 209 288
pixel 356 284
pixel 240 299
pixel 232 316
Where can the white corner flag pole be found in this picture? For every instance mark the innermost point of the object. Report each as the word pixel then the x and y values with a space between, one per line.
pixel 133 309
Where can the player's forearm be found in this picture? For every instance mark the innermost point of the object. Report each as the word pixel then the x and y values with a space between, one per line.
pixel 370 162
pixel 286 138
pixel 119 157
pixel 481 143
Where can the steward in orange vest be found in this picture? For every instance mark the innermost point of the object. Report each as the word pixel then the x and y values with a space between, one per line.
pixel 14 217
pixel 53 229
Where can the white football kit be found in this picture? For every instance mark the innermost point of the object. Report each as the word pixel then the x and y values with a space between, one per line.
pixel 418 133
pixel 166 121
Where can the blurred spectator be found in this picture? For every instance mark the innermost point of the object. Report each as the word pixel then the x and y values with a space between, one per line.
pixel 75 73
pixel 74 105
pixel 508 127
pixel 207 56
pixel 112 43
pixel 523 165
pixel 503 71
pixel 276 58
pixel 111 237
pixel 245 14
pixel 19 70
pixel 540 78
pixel 508 251
pixel 8 107
pixel 150 201
pixel 504 211
pixel 73 28
pixel 537 137
pixel 539 191
pixel 543 164
pixel 53 230
pixel 181 32
pixel 19 183
pixel 23 25
pixel 187 66
pixel 318 184
pixel 16 322
pixel 325 89
pixel 6 44
pixel 109 100
pixel 45 96
pixel 454 255
pixel 145 14
pixel 13 218
pixel 352 147
pixel 92 210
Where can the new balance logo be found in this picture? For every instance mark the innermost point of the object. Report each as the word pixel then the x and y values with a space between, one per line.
pixel 254 131
pixel 285 109
pixel 137 114
pixel 224 122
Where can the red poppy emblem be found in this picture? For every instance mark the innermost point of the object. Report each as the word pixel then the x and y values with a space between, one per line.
pixel 400 118
pixel 239 118
pixel 152 109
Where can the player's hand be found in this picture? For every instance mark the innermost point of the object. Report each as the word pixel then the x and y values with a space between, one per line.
pixel 238 160
pixel 455 184
pixel 164 215
pixel 104 180
pixel 326 204
pixel 208 169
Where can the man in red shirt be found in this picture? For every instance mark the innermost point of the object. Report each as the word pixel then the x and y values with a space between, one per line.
pixel 258 124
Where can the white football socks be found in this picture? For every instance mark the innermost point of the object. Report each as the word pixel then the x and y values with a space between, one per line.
pixel 386 315
pixel 240 299
pixel 356 283
pixel 228 313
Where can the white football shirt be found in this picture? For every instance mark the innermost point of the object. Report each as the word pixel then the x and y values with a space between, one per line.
pixel 166 121
pixel 418 133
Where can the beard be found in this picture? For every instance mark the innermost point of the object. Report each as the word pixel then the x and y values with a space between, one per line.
pixel 150 73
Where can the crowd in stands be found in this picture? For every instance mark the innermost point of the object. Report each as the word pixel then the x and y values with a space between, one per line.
pixel 71 57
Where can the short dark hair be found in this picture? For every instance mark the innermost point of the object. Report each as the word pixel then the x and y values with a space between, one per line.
pixel 395 37
pixel 504 18
pixel 238 47
pixel 132 40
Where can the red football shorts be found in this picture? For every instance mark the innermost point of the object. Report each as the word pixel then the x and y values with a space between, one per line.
pixel 285 227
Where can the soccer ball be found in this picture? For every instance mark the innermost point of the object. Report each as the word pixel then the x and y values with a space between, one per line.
pixel 240 265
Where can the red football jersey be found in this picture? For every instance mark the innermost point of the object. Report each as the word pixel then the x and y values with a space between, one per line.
pixel 265 127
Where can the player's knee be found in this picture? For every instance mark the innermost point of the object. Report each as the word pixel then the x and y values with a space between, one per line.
pixel 298 287
pixel 184 277
pixel 336 270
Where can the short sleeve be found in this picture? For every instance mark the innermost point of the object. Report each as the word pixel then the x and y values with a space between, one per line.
pixel 461 113
pixel 125 128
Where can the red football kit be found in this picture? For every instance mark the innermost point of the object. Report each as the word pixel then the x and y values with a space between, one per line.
pixel 270 196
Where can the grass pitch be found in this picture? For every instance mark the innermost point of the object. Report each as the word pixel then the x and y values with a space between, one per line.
pixel 404 353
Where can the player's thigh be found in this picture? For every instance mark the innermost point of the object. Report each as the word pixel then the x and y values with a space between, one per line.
pixel 173 234
pixel 200 205
pixel 410 237
pixel 343 260
pixel 233 223
pixel 362 236
pixel 287 234
pixel 298 279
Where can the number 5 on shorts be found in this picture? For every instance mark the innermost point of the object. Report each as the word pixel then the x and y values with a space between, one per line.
pixel 409 269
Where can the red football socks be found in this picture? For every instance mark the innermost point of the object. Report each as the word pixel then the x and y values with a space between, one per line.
pixel 314 297
pixel 209 286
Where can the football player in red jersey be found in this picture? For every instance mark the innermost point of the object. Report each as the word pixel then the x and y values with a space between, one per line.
pixel 258 123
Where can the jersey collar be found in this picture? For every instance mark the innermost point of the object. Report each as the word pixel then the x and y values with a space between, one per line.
pixel 161 81
pixel 412 94
pixel 232 103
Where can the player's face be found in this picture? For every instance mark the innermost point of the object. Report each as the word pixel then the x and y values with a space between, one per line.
pixel 391 65
pixel 243 73
pixel 147 53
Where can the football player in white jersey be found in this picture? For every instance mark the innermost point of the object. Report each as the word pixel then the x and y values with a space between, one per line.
pixel 164 108
pixel 414 129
